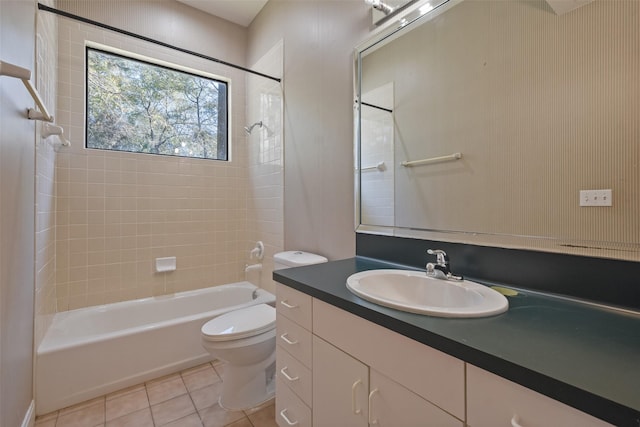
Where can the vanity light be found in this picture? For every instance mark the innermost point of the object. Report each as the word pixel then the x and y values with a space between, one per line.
pixel 425 8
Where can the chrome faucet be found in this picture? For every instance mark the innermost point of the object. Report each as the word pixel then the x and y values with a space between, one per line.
pixel 441 269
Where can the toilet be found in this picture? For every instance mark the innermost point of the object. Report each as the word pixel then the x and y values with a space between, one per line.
pixel 245 340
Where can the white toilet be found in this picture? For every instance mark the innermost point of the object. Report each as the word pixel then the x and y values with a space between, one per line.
pixel 245 340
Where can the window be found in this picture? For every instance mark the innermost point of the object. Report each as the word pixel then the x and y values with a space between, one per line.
pixel 134 105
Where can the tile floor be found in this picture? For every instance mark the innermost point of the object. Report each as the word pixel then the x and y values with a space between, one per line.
pixel 185 399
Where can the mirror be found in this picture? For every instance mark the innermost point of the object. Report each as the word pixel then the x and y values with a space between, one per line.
pixel 510 109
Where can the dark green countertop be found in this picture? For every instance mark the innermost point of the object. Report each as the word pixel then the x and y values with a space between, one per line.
pixel 583 355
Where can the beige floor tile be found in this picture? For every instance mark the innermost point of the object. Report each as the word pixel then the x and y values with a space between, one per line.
pixel 81 405
pixel 241 423
pixel 192 420
pixel 87 416
pixel 46 417
pixel 140 418
pixel 269 402
pixel 127 403
pixel 124 391
pixel 207 396
pixel 167 389
pixel 200 378
pixel 162 379
pixel 51 422
pixel 196 368
pixel 171 410
pixel 170 401
pixel 265 417
pixel 215 416
pixel 219 367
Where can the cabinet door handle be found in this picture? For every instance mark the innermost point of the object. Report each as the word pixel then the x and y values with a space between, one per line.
pixel 286 304
pixel 353 397
pixel 287 376
pixel 515 421
pixel 287 340
pixel 371 419
pixel 283 414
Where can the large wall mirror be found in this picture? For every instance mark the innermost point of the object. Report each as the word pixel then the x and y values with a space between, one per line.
pixel 481 121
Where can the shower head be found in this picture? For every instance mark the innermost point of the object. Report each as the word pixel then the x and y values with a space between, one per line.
pixel 248 129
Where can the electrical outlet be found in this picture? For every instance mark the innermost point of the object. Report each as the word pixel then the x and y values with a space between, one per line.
pixel 595 198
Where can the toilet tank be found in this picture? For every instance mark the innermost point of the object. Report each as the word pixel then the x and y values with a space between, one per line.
pixel 296 259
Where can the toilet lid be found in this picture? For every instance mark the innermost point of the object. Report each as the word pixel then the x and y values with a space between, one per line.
pixel 242 323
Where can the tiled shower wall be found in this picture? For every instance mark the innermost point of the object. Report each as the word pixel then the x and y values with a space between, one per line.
pixel 117 212
pixel 266 163
pixel 45 78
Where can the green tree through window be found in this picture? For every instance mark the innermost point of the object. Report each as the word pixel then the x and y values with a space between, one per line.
pixel 137 106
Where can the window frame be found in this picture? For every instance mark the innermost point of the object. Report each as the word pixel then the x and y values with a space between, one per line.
pixel 132 56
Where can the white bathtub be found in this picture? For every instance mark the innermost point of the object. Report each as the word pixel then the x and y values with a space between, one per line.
pixel 96 350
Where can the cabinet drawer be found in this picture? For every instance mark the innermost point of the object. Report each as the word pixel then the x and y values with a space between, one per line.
pixel 495 401
pixel 290 410
pixel 294 304
pixel 294 374
pixel 294 339
pixel 431 374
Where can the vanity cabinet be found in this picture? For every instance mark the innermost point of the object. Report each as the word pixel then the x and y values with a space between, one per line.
pixel 364 374
pixel 293 357
pixel 495 401
pixel 348 393
pixel 337 369
pixel 340 387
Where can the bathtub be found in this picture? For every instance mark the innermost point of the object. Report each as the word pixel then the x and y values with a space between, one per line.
pixel 92 351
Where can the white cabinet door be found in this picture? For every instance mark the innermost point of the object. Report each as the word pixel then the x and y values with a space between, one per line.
pixel 340 387
pixel 431 374
pixel 391 405
pixel 494 401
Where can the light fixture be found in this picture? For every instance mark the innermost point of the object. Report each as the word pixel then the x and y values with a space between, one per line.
pixel 380 5
pixel 425 8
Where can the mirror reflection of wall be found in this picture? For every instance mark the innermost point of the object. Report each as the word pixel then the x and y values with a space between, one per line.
pixel 377 160
pixel 541 105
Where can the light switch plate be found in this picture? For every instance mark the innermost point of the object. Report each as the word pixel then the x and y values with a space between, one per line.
pixel 596 198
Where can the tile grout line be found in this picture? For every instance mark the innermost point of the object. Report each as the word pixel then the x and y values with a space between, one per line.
pixel 146 392
pixel 197 412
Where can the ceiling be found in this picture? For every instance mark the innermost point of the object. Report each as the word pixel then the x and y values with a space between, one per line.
pixel 240 12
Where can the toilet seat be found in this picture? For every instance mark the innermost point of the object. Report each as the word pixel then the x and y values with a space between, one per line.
pixel 242 323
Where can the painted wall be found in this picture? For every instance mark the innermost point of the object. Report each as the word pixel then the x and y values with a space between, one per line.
pixel 17 173
pixel 319 37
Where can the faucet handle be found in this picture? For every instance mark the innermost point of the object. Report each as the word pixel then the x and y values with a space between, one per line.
pixel 441 256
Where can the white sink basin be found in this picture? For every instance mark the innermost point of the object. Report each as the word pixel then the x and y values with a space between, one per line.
pixel 415 292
